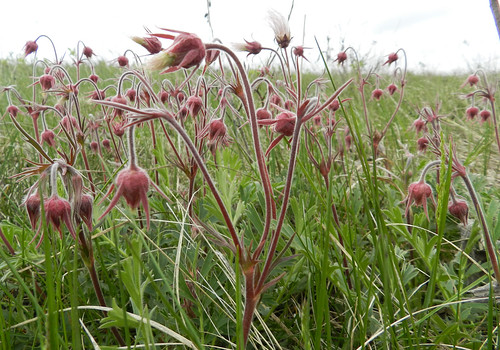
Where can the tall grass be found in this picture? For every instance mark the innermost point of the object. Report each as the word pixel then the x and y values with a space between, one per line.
pixel 350 270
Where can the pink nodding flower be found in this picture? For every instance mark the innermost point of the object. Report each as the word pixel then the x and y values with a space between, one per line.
pixel 422 144
pixel 419 192
pixel 459 209
pixel 131 94
pixel 341 57
pixel 58 210
pixel 484 115
pixel 471 112
pixel 194 104
pixel 152 44
pixel 132 184
pixel 48 137
pixel 106 144
pixel 94 78
pixel 33 208
pixel 393 57
pixel 216 131
pixel 186 51
pixel 47 82
pixel 88 52
pixel 13 110
pixel 471 80
pixel 122 61
pixel 85 211
pixel 252 47
pixel 30 47
pixel 392 88
pixel 377 94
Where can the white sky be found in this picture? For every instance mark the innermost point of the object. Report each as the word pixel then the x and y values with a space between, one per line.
pixel 437 35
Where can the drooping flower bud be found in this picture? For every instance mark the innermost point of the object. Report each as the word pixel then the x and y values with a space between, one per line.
pixel 484 115
pixel 85 211
pixel 459 209
pixel 152 44
pixel 418 193
pixel 30 47
pixel 88 52
pixel 341 57
pixel 471 112
pixel 33 209
pixel 285 123
pixel 106 144
pixel 422 143
pixel 392 88
pixel 48 137
pixel 252 47
pixel 377 94
pixel 13 110
pixel 58 210
pixel 186 51
pixel 47 82
pixel 122 61
pixel 393 57
pixel 194 105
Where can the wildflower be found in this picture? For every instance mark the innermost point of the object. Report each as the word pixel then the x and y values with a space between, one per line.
pixel 118 99
pixel 132 183
pixel 484 115
pixel 422 144
pixel 94 78
pixel 131 94
pixel 392 88
pixel 47 82
pixel 85 211
pixel 33 208
pixel 299 52
pixel 377 94
pixel 163 96
pixel 186 51
pixel 211 56
pixel 194 105
pixel 471 80
pixel 58 209
pixel 263 113
pixel 13 110
pixel 152 44
pixel 418 192
pixel 48 137
pixel 285 123
pixel 122 61
pixel 393 57
pixel 334 106
pixel 341 57
pixel 94 146
pixel 30 47
pixel 119 128
pixel 106 144
pixel 252 47
pixel 471 112
pixel 459 209
pixel 281 29
pixel 88 52
pixel 216 131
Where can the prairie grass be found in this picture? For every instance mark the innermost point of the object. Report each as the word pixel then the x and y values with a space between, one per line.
pixel 356 273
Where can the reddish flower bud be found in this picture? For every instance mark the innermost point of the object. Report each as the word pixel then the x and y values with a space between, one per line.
pixel 422 144
pixel 85 211
pixel 131 95
pixel 163 96
pixel 33 209
pixel 118 99
pixel 420 125
pixel 263 113
pixel 393 57
pixel 30 47
pixel 471 80
pixel 122 61
pixel 341 57
pixel 418 192
pixel 471 112
pixel 194 105
pixel 252 47
pixel 132 183
pixel 106 144
pixel 392 88
pixel 118 129
pixel 459 209
pixel 13 110
pixel 48 137
pixel 211 56
pixel 216 131
pixel 334 106
pixel 186 51
pixel 68 122
pixel 94 146
pixel 94 78
pixel 377 94
pixel 285 123
pixel 152 44
pixel 57 210
pixel 88 52
pixel 484 115
pixel 47 82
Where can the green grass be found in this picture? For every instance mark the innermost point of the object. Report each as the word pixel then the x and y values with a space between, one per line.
pixel 406 285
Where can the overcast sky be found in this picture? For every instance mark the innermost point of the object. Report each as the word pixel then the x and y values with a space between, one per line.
pixel 437 35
